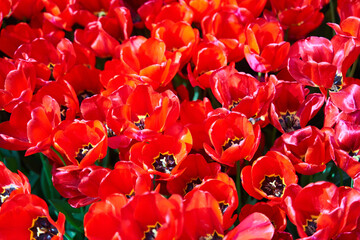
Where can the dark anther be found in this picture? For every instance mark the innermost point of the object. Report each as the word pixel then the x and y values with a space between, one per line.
pixel 234 104
pixel 289 122
pixel 355 155
pixel 223 206
pixel 231 142
pixel 141 122
pixel 273 186
pixel 6 192
pixel 338 82
pixel 310 227
pixel 63 110
pixel 42 229
pixel 84 94
pixel 109 131
pixel 82 152
pixel 214 236
pixel 164 163
pixel 190 185
pixel 151 233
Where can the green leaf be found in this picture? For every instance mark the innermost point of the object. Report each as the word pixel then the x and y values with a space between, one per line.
pixel 62 206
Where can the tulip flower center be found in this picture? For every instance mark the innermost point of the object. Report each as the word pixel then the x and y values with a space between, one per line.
pixel 190 185
pixel 82 152
pixel 223 206
pixel 131 194
pixel 63 110
pixel 289 121
pixel 164 162
pixel 234 104
pixel 354 154
pixel 6 192
pixel 84 94
pixel 109 131
pixel 311 225
pixel 273 185
pixel 214 236
pixel 141 123
pixel 42 229
pixel 151 233
pixel 231 142
pixel 338 81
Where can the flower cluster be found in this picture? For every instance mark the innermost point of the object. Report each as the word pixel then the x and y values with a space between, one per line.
pixel 189 119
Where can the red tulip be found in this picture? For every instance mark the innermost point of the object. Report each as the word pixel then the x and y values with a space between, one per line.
pixel 269 176
pixel 26 216
pixel 12 184
pixel 81 142
pixel 234 138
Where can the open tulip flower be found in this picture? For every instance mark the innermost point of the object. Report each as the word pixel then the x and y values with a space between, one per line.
pixel 179 119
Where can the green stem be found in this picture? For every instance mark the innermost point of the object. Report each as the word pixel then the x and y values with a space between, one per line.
pixel 353 68
pixel 67 236
pixel 238 186
pixel 332 12
pixel 59 155
pixel 259 76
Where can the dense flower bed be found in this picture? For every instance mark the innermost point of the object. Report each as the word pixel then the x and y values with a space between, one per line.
pixel 189 119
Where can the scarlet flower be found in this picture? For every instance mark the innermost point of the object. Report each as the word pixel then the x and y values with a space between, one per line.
pixel 117 22
pixel 347 146
pixel 265 49
pixel 81 142
pixel 201 8
pixel 269 176
pixel 146 112
pixel 252 227
pixel 254 6
pixel 293 107
pixel 12 36
pixel 347 8
pixel 202 217
pixel 307 148
pixel 97 39
pixel 40 53
pixel 322 210
pixel 223 189
pixel 26 216
pixel 17 84
pixel 271 210
pixel 13 133
pixel 299 18
pixel 79 185
pixel 178 37
pixel 12 184
pixel 44 119
pixel 145 216
pixel 241 92
pixel 193 170
pixel 103 219
pixel 26 9
pixel 64 95
pixel 126 178
pixel 150 216
pixel 315 61
pixel 147 58
pixel 347 99
pixel 208 56
pixel 155 11
pixel 161 155
pixel 192 116
pixel 348 27
pixel 228 25
pixel 234 138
